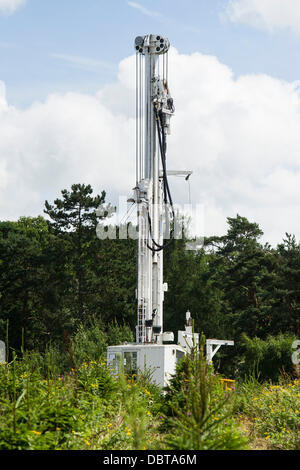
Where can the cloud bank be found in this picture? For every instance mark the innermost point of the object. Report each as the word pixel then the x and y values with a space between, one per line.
pixel 266 14
pixel 240 137
pixel 9 6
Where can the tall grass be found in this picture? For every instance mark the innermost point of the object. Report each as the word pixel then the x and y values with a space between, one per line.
pixel 46 406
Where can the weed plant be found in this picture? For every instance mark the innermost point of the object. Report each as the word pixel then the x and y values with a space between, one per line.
pixel 273 411
pixel 88 407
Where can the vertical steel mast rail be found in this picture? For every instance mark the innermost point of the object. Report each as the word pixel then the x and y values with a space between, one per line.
pixel 154 108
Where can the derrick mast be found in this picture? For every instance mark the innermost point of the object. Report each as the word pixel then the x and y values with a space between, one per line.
pixel 156 224
pixel 154 107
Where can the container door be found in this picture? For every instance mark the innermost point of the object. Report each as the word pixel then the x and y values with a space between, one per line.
pixel 130 363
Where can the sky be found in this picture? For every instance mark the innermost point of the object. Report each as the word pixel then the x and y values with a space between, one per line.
pixel 67 101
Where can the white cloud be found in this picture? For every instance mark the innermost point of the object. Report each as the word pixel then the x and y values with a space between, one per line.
pixel 164 19
pixel 266 14
pixel 83 62
pixel 144 10
pixel 49 146
pixel 240 137
pixel 9 6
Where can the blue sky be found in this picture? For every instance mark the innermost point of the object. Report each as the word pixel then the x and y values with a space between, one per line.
pixel 101 33
pixel 67 95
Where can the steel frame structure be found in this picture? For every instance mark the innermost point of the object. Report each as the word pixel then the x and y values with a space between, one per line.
pixel 154 107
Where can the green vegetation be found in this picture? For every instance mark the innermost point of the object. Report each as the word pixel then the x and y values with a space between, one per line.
pixel 90 408
pixel 269 413
pixel 65 295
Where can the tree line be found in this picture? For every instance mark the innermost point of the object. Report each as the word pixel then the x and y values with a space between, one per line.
pixel 56 275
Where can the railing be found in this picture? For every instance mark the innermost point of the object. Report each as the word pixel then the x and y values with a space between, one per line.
pixel 228 385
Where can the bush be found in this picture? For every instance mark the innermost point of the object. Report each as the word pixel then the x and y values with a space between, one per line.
pixel 90 341
pixel 269 358
pixel 273 411
pixel 202 415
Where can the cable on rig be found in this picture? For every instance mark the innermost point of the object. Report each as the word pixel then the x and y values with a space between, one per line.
pixel 167 193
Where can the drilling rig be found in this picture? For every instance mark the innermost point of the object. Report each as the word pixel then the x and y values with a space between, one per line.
pixel 154 349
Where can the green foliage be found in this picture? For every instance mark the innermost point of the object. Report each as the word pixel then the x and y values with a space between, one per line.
pixel 57 275
pixel 74 211
pixel 273 411
pixel 89 343
pixel 135 411
pixel 88 408
pixel 65 295
pixel 91 340
pixel 82 409
pixel 202 417
pixel 267 358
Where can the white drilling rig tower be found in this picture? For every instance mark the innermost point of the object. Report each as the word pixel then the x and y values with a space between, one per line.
pixel 154 107
pixel 156 219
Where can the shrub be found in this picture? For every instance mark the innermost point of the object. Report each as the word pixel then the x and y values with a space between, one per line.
pixel 91 340
pixel 273 410
pixel 202 418
pixel 268 358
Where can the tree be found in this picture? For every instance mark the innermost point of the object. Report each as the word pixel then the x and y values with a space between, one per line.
pixel 244 270
pixel 32 284
pixel 286 315
pixel 75 219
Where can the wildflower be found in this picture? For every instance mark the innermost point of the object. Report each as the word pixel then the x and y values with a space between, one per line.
pixel 87 442
pixel 36 432
pixel 148 413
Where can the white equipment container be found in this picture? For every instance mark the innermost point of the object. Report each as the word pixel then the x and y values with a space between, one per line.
pixel 157 360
